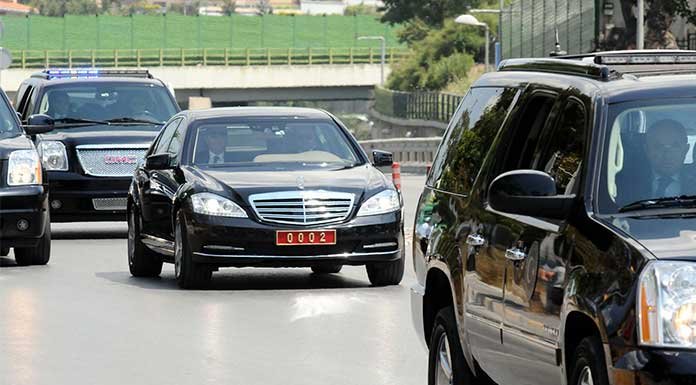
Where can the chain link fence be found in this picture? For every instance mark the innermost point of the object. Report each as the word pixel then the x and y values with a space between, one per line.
pixel 431 106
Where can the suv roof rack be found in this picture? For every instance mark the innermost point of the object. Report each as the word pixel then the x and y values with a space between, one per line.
pixel 77 73
pixel 610 65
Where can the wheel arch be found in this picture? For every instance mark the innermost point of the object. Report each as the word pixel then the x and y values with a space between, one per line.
pixel 438 295
pixel 578 325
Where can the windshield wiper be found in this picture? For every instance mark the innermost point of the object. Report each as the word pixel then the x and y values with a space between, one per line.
pixel 128 120
pixel 660 203
pixel 69 121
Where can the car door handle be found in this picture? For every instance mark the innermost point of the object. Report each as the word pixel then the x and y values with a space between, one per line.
pixel 515 255
pixel 475 240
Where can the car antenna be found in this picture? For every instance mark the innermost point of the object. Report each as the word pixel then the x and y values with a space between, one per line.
pixel 557 51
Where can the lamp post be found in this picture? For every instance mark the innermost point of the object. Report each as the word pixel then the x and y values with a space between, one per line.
pixel 471 20
pixel 384 53
pixel 640 31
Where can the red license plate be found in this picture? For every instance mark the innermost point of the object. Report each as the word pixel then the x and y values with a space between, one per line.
pixel 305 237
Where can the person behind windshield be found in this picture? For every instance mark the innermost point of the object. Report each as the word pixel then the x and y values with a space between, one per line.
pixel 666 146
pixel 58 105
pixel 215 139
pixel 305 139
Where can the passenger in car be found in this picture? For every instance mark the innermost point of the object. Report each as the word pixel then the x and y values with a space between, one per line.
pixel 58 105
pixel 215 139
pixel 666 146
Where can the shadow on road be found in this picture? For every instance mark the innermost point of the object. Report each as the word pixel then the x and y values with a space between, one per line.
pixel 88 231
pixel 7 262
pixel 247 279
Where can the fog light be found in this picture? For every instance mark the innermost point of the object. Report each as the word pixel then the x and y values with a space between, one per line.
pixel 22 225
pixel 56 204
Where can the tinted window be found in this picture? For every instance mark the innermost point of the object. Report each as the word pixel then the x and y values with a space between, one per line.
pixel 177 141
pixel 649 152
pixel 166 137
pixel 8 122
pixel 271 142
pixel 469 138
pixel 103 101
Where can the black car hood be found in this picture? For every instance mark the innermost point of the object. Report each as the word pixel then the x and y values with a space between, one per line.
pixel 19 142
pixel 664 237
pixel 99 134
pixel 240 184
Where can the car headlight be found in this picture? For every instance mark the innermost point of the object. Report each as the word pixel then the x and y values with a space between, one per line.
pixel 53 155
pixel 382 203
pixel 211 204
pixel 24 168
pixel 667 305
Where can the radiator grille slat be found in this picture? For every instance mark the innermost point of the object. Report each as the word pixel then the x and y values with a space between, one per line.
pixel 111 162
pixel 303 207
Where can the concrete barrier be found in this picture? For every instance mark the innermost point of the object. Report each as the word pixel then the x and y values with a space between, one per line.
pixel 414 154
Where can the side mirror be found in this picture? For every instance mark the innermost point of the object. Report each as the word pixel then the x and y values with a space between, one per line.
pixel 158 162
pixel 39 124
pixel 530 193
pixel 382 158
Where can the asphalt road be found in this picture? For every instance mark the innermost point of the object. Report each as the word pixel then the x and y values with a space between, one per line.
pixel 84 320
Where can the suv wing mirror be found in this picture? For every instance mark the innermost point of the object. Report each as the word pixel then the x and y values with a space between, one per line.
pixel 528 192
pixel 158 162
pixel 39 124
pixel 382 158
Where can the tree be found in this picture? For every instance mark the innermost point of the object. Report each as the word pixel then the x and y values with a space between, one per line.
pixel 229 7
pixel 62 7
pixel 264 7
pixel 431 12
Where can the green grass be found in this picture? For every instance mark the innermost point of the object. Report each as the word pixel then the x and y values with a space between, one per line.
pixel 177 31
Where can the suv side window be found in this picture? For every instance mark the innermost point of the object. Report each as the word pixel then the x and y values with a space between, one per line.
pixel 563 154
pixel 23 103
pixel 469 137
pixel 168 131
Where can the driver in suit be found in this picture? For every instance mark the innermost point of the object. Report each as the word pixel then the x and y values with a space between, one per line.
pixel 215 139
pixel 666 146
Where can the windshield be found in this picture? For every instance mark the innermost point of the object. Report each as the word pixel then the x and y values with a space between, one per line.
pixel 8 123
pixel 107 101
pixel 271 142
pixel 649 153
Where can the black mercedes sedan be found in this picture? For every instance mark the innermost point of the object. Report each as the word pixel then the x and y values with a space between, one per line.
pixel 262 187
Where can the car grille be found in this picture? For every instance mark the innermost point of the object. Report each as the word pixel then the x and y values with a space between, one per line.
pixel 110 160
pixel 109 204
pixel 302 207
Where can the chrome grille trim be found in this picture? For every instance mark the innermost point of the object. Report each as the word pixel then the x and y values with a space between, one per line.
pixel 303 208
pixel 109 204
pixel 91 158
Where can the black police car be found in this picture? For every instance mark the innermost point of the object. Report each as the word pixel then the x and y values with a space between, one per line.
pixel 24 215
pixel 264 187
pixel 556 239
pixel 104 121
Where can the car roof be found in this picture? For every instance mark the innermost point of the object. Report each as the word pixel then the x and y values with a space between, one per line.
pixel 62 81
pixel 256 112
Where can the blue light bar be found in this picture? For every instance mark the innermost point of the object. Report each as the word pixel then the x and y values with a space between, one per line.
pixel 74 73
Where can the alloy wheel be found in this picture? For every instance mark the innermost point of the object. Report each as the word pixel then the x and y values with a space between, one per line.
pixel 585 377
pixel 443 362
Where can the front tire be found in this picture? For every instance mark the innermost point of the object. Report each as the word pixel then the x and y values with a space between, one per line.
pixel 189 274
pixel 142 261
pixel 327 269
pixel 39 254
pixel 588 363
pixel 386 273
pixel 446 362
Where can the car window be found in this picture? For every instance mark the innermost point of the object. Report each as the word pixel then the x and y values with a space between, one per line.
pixel 469 138
pixel 271 142
pixel 649 152
pixel 166 137
pixel 8 122
pixel 23 106
pixel 561 148
pixel 177 140
pixel 104 101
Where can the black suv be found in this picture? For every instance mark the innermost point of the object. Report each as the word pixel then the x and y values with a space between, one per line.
pixel 24 216
pixel 104 123
pixel 555 240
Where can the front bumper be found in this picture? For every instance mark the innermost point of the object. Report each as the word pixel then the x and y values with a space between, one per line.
pixel 29 203
pixel 76 192
pixel 647 366
pixel 245 242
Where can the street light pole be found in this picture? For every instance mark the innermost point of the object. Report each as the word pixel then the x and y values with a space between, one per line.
pixel 640 23
pixel 383 55
pixel 471 20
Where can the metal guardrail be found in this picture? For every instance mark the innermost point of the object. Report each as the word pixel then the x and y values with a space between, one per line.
pixel 408 151
pixel 433 106
pixel 205 56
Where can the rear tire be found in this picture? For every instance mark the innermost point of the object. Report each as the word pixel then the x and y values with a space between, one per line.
pixel 39 254
pixel 588 363
pixel 386 273
pixel 446 362
pixel 189 274
pixel 327 269
pixel 142 261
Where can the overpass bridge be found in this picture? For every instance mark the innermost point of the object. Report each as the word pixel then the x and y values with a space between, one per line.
pixel 254 83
